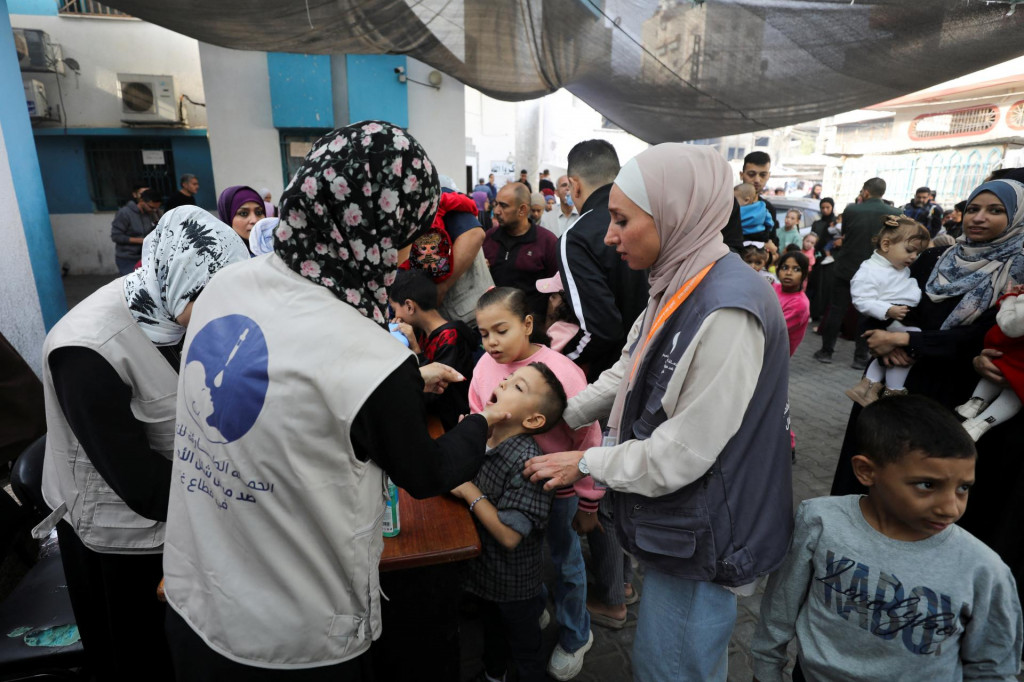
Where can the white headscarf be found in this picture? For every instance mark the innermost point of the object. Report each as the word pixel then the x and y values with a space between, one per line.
pixel 261 239
pixel 178 259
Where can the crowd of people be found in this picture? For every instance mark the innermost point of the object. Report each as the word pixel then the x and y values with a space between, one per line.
pixel 618 371
pixel 140 215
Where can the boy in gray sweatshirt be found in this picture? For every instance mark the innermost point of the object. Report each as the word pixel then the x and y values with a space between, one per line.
pixel 885 586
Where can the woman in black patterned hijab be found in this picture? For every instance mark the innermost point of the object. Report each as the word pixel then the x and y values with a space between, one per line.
pixel 110 377
pixel 179 257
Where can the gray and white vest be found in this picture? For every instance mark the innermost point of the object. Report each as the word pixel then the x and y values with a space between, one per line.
pixel 72 486
pixel 734 523
pixel 273 523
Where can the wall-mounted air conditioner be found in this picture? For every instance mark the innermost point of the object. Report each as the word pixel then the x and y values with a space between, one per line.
pixel 147 99
pixel 36 52
pixel 35 95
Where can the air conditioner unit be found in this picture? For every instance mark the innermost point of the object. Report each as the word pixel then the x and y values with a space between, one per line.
pixel 147 99
pixel 35 95
pixel 34 50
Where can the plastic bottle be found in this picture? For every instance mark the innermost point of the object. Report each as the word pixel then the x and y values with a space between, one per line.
pixel 392 524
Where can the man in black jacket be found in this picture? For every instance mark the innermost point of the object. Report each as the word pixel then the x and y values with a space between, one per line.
pixel 605 294
pixel 607 297
pixel 861 222
pixel 186 194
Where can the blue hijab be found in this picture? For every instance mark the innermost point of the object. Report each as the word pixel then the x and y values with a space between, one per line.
pixel 980 272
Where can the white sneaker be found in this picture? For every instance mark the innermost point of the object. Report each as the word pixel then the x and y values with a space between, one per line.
pixel 545 619
pixel 976 428
pixel 565 666
pixel 972 408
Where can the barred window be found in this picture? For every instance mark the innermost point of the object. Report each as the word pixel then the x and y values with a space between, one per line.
pixel 972 121
pixel 1015 116
pixel 116 164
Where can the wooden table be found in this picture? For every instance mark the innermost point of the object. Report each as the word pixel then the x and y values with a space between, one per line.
pixel 421 618
pixel 437 530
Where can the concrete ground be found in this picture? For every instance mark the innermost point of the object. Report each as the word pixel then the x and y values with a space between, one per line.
pixel 78 287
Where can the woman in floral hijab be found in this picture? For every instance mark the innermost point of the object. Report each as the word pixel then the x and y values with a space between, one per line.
pixel 363 192
pixel 314 389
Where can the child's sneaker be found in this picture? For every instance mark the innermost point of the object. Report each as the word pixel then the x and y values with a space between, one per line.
pixel 976 428
pixel 972 408
pixel 865 392
pixel 889 392
pixel 545 619
pixel 565 666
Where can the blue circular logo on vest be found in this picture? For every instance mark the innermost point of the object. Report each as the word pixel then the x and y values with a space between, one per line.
pixel 225 377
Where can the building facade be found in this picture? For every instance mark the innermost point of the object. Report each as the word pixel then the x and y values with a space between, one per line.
pixel 116 102
pixel 948 138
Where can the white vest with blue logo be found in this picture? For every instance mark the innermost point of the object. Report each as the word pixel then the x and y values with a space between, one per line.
pixel 274 526
pixel 72 487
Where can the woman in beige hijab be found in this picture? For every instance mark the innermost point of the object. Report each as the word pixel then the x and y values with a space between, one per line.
pixel 698 451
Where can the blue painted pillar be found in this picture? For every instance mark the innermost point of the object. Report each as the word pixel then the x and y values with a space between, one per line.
pixel 301 90
pixel 27 180
pixel 374 91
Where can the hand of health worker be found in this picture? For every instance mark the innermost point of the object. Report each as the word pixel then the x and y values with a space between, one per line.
pixel 436 377
pixel 559 469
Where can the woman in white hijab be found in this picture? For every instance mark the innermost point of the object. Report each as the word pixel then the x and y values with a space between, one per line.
pixel 698 451
pixel 110 377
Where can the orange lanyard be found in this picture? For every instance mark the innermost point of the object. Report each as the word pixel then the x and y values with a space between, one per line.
pixel 673 304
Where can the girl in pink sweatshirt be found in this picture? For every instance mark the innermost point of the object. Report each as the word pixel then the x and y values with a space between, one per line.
pixel 505 329
pixel 796 308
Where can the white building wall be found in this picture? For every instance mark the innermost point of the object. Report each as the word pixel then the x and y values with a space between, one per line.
pixel 105 47
pixel 566 120
pixel 437 119
pixel 21 321
pixel 83 242
pixel 558 121
pixel 244 144
pixel 491 124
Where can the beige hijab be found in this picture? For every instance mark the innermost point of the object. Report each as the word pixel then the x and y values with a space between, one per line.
pixel 688 189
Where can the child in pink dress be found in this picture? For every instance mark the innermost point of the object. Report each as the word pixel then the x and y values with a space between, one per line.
pixel 796 308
